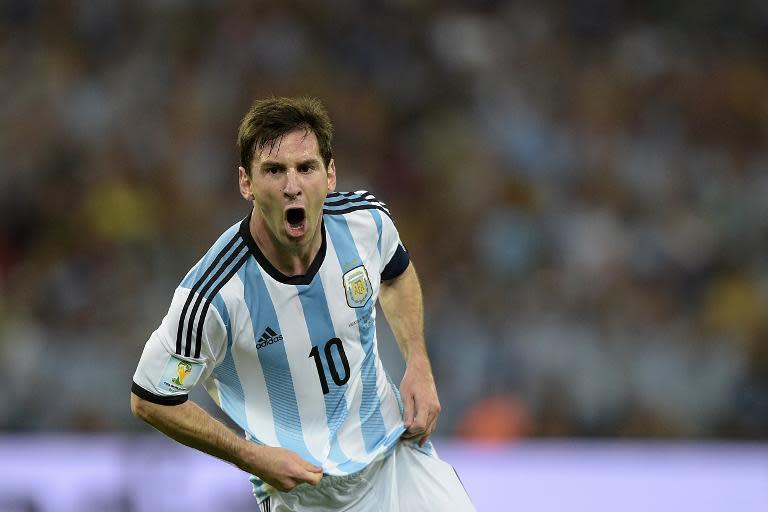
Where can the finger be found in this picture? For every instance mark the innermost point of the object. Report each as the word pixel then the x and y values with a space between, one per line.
pixel 313 478
pixel 431 426
pixel 415 431
pixel 420 421
pixel 408 412
pixel 312 468
pixel 310 477
pixel 428 431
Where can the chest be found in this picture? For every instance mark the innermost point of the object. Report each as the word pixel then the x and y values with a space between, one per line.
pixel 282 325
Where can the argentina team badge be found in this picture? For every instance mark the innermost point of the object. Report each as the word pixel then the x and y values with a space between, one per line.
pixel 358 287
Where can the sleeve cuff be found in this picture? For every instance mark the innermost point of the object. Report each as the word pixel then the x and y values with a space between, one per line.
pixel 157 399
pixel 397 264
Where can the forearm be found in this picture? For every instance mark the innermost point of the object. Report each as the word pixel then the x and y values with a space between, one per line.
pixel 402 303
pixel 192 426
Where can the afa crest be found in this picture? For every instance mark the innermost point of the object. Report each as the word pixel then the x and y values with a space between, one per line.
pixel 358 287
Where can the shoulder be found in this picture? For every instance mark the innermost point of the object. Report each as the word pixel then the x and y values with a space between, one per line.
pixel 358 221
pixel 223 258
pixel 347 203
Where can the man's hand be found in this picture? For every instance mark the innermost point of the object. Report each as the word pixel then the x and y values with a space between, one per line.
pixel 189 424
pixel 400 299
pixel 280 468
pixel 419 395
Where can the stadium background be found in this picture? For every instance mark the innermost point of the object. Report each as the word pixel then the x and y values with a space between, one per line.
pixel 582 186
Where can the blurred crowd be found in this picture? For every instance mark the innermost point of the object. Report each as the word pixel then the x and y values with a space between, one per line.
pixel 583 187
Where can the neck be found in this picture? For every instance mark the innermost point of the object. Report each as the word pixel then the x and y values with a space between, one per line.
pixel 290 259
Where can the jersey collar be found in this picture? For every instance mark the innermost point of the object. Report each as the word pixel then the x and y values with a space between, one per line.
pixel 270 269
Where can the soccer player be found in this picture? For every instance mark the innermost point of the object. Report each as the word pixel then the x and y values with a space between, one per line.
pixel 277 321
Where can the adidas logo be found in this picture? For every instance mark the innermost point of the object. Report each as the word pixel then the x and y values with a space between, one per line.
pixel 268 337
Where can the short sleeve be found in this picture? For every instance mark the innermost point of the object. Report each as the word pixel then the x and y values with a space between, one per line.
pixel 394 256
pixel 182 352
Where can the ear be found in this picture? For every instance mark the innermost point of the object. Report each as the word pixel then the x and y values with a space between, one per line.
pixel 331 174
pixel 245 184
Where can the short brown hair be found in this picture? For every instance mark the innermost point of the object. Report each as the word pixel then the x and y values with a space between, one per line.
pixel 269 119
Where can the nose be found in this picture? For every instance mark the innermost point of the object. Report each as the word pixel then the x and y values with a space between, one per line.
pixel 292 188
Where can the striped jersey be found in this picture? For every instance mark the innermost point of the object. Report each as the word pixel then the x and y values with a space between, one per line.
pixel 291 359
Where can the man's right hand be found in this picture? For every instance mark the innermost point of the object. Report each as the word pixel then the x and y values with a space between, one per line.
pixel 189 424
pixel 280 468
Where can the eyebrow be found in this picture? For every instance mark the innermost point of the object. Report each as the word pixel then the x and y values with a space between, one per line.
pixel 271 163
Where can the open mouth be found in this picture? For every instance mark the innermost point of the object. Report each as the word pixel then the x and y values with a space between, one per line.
pixel 295 217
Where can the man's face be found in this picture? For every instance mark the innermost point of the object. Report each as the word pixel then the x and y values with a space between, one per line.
pixel 288 183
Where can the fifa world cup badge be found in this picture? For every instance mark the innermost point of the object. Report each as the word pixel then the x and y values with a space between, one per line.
pixel 180 375
pixel 183 369
pixel 358 287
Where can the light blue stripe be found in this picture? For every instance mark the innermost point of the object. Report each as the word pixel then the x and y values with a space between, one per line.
pixel 320 327
pixel 351 466
pixel 396 391
pixel 274 364
pixel 428 447
pixel 377 219
pixel 231 393
pixel 390 442
pixel 371 420
pixel 197 272
pixel 218 303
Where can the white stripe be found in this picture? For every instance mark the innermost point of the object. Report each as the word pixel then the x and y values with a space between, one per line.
pixel 366 237
pixel 365 234
pixel 309 395
pixel 258 410
pixel 390 408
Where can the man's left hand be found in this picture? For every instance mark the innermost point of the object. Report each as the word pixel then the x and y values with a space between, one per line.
pixel 419 395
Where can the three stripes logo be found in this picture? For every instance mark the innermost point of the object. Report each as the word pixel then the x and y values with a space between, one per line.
pixel 337 203
pixel 217 274
pixel 268 337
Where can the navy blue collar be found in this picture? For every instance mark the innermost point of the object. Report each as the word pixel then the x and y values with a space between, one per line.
pixel 269 268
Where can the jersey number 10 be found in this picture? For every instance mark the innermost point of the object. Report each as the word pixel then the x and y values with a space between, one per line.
pixel 315 352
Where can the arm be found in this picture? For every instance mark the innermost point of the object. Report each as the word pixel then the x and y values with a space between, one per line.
pixel 190 425
pixel 402 304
